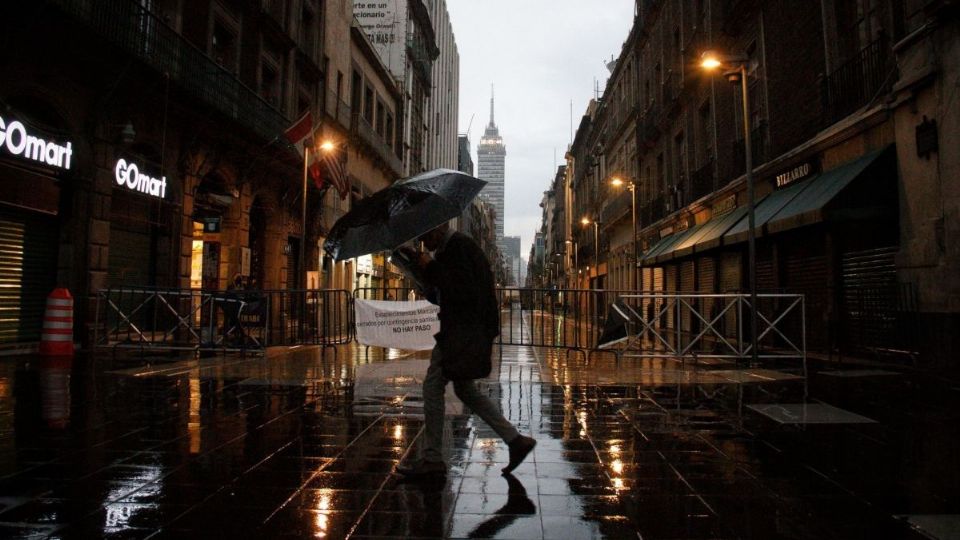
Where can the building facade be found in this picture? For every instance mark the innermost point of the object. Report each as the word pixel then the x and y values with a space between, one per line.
pixel 164 161
pixel 491 159
pixel 846 115
pixel 444 104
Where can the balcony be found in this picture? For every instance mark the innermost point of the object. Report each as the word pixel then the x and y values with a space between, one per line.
pixel 337 111
pixel 365 133
pixel 134 29
pixel 654 210
pixel 857 82
pixel 616 207
pixel 649 124
pixel 701 181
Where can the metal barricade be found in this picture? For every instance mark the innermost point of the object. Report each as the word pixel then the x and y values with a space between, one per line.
pixel 232 320
pixel 682 326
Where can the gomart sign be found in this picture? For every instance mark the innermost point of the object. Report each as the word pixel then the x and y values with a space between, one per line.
pixel 129 176
pixel 15 139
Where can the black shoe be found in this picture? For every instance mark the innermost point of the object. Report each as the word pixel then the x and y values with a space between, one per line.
pixel 519 448
pixel 422 469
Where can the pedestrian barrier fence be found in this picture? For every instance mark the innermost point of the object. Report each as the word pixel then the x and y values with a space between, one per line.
pixel 626 323
pixel 232 320
pixel 655 323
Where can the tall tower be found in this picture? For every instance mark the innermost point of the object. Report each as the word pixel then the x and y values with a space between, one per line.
pixel 491 154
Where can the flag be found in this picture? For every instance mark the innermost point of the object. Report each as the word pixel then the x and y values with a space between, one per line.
pixel 300 135
pixel 336 170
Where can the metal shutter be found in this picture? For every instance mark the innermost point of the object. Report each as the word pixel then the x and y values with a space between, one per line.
pixel 28 269
pixel 706 284
pixel 731 281
pixel 871 299
pixel 805 272
pixel 687 286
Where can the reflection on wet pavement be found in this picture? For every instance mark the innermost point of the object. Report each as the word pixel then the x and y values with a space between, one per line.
pixel 302 443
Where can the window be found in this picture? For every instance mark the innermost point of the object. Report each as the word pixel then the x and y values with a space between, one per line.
pixel 368 104
pixel 705 134
pixel 308 31
pixel 223 46
pixel 380 119
pixel 356 85
pixel 271 76
pixel 389 130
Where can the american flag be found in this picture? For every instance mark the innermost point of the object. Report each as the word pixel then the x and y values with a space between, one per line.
pixel 335 162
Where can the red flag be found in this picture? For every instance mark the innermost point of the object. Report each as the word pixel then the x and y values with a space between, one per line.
pixel 300 134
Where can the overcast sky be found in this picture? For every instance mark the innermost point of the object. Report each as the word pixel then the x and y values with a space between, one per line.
pixel 540 55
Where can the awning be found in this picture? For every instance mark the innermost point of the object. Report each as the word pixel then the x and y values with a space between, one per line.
pixel 810 205
pixel 799 204
pixel 805 203
pixel 649 255
pixel 670 251
pixel 664 249
pixel 709 236
pixel 765 209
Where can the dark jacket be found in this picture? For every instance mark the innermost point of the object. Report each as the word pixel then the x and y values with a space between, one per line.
pixel 464 283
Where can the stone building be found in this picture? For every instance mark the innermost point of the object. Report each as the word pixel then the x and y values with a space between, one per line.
pixel 848 111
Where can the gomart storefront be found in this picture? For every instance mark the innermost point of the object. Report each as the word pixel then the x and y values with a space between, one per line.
pixel 33 167
pixel 141 251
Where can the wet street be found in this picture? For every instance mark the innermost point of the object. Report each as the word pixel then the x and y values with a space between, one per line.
pixel 302 443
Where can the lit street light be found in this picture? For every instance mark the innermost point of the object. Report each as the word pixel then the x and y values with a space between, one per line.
pixel 325 146
pixel 632 186
pixel 596 245
pixel 737 69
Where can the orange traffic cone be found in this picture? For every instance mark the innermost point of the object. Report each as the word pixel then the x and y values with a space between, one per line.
pixel 56 339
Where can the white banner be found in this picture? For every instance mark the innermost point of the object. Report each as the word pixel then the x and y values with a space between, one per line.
pixel 397 325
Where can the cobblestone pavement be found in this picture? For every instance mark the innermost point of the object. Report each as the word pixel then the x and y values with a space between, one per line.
pixel 302 443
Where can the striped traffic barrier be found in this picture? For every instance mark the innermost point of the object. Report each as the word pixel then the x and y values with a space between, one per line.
pixel 56 338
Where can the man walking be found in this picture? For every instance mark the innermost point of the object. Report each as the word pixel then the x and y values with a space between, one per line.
pixel 461 283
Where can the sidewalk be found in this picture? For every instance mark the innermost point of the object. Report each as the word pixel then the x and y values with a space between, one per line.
pixel 301 444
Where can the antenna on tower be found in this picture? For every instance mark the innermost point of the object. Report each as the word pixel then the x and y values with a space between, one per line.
pixel 469 124
pixel 491 105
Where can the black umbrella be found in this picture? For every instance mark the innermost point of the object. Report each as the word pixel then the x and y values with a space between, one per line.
pixel 401 212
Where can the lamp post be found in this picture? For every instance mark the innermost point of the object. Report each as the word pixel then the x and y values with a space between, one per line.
pixel 325 146
pixel 596 244
pixel 738 65
pixel 632 186
pixel 576 265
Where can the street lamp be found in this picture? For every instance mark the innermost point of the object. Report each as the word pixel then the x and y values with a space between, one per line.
pixel 737 69
pixel 326 147
pixel 596 244
pixel 632 186
pixel 576 265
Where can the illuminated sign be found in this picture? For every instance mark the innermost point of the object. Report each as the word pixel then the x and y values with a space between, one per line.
pixel 129 175
pixel 15 140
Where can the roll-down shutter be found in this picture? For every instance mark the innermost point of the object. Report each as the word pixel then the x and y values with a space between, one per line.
pixel 28 269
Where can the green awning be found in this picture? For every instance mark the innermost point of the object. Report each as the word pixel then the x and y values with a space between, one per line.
pixel 709 236
pixel 765 209
pixel 670 251
pixel 808 207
